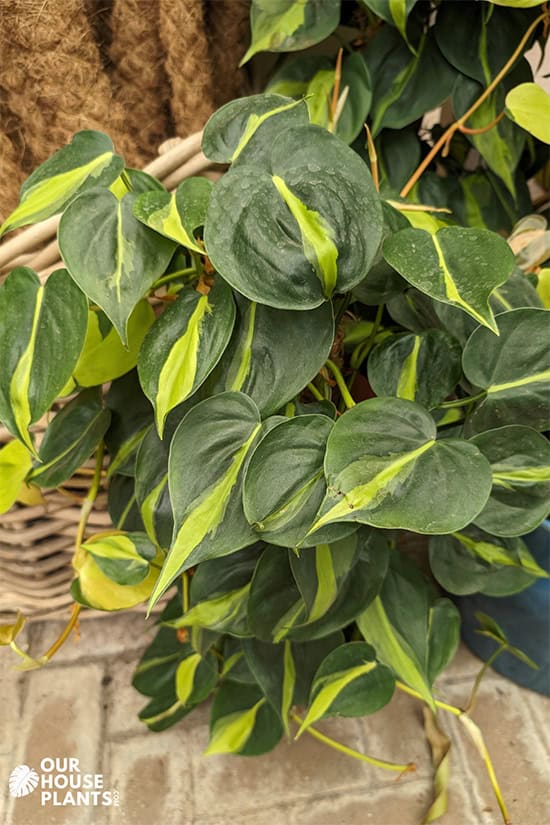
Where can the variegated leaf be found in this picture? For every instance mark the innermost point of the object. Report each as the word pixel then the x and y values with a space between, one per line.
pixel 111 255
pixel 36 360
pixel 207 459
pixel 454 265
pixel 184 345
pixel 385 467
pixel 178 215
pixel 88 160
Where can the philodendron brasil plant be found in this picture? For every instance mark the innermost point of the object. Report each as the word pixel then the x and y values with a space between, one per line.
pixel 287 378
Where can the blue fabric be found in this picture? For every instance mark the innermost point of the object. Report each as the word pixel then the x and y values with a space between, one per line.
pixel 525 618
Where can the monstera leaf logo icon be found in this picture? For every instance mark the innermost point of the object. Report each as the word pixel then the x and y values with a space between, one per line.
pixel 23 780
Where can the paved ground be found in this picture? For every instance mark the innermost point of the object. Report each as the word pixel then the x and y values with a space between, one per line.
pixel 82 706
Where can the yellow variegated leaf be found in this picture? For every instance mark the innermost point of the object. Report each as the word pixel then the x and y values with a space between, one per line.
pixel 231 733
pixel 185 677
pixel 15 463
pixel 334 685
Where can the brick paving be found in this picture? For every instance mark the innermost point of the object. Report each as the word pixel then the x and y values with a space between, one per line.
pixel 83 706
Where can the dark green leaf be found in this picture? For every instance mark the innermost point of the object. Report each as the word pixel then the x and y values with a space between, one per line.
pixel 42 330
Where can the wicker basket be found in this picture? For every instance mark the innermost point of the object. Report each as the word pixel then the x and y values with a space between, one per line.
pixel 37 541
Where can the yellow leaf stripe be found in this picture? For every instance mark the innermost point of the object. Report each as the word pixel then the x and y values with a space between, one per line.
pixel 289 682
pixel 231 733
pixel 391 649
pixel 185 677
pixel 48 193
pixel 406 387
pixel 204 517
pixel 178 373
pixel 495 554
pixel 521 475
pixel 537 378
pixel 15 463
pixel 454 295
pixel 253 124
pixel 371 494
pixel 335 683
pixel 327 587
pixel 168 221
pixel 148 508
pixel 212 612
pixel 240 366
pixel 317 237
pixel 21 379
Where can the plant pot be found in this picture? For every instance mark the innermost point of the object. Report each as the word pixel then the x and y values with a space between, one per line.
pixel 524 617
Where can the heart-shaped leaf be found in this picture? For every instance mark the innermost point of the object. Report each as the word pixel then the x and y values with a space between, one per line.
pixel 413 632
pixel 384 467
pixel 349 682
pixel 520 463
pixel 242 721
pixel 424 368
pixel 308 241
pixel 183 346
pixel 88 160
pixel 529 106
pixel 513 368
pixel 285 485
pixel 244 129
pixel 473 561
pixel 37 361
pixel 273 353
pixel 205 472
pixel 178 215
pixel 285 26
pixel 112 257
pixel 455 265
pixel 70 438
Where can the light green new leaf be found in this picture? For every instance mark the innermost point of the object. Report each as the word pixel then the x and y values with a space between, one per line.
pixel 308 241
pixel 520 463
pixel 529 106
pixel 178 215
pixel 412 631
pixel 457 266
pixel 88 160
pixel 70 439
pixel 242 721
pixel 104 357
pixel 244 129
pixel 111 255
pixel 124 557
pixel 205 471
pixel 472 561
pixel 384 467
pixel 15 463
pixel 424 368
pixel 288 25
pixel 273 353
pixel 183 346
pixel 36 360
pixel 349 682
pixel 514 369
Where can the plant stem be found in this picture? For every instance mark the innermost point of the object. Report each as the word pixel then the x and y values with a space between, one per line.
pixel 66 632
pixel 443 705
pixel 476 737
pixel 473 696
pixel 482 129
pixel 185 591
pixel 332 743
pixel 462 402
pixel 315 392
pixel 345 393
pixel 90 497
pixel 458 124
pixel 171 276
pixel 363 349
